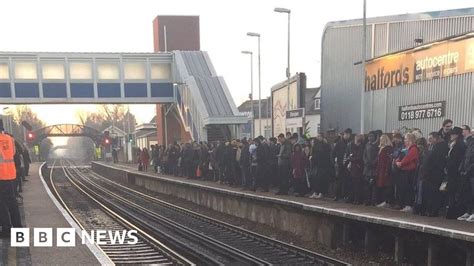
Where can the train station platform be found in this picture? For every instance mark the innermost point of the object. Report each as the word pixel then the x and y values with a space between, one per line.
pixel 323 220
pixel 38 210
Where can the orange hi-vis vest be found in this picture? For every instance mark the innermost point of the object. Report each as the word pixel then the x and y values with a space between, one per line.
pixel 7 163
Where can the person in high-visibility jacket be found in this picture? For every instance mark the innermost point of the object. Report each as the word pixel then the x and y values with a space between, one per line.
pixel 9 211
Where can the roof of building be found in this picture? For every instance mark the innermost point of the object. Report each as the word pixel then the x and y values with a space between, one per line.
pixel 209 84
pixel 310 94
pixel 294 78
pixel 113 130
pixel 145 134
pixel 145 126
pixel 404 17
pixel 246 107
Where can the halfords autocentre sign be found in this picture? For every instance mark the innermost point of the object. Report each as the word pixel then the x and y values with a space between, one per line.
pixel 438 60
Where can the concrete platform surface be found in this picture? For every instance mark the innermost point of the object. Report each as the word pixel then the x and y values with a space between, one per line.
pixel 384 216
pixel 40 212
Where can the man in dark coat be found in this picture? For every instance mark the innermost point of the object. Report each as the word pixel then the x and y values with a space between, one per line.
pixel 284 165
pixel 354 161
pixel 321 167
pixel 342 188
pixel 371 152
pixel 228 158
pixel 432 173
pixel 273 151
pixel 187 160
pixel 220 161
pixel 444 131
pixel 457 150
pixel 27 160
pixel 467 173
pixel 245 164
pixel 262 164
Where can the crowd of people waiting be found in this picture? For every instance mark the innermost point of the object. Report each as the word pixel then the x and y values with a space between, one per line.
pixel 427 176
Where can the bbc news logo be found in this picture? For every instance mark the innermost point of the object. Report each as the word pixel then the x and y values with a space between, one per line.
pixel 66 237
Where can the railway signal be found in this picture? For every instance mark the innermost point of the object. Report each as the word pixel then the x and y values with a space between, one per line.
pixel 30 136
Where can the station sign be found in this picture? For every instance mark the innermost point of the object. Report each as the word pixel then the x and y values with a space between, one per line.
pixel 422 111
pixel 295 118
pixel 432 61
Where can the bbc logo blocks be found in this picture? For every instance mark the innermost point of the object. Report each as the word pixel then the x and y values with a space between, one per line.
pixel 43 237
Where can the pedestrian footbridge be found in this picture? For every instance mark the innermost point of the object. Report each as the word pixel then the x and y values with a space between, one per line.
pixel 64 130
pixel 191 98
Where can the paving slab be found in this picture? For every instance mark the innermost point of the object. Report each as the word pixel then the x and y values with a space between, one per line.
pixel 39 211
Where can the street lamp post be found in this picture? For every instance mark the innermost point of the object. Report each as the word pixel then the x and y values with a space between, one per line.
pixel 253 34
pixel 364 43
pixel 288 75
pixel 252 125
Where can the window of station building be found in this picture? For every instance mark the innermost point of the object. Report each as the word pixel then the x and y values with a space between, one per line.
pixel 317 104
pixel 108 71
pixel 4 72
pixel 160 71
pixel 80 70
pixel 24 70
pixel 52 70
pixel 134 71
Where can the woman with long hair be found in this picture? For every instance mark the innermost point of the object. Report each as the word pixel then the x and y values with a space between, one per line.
pixel 383 177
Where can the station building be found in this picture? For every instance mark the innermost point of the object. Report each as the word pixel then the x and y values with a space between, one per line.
pixel 419 71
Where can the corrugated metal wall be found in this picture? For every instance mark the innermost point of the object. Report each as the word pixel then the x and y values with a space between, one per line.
pixel 341 79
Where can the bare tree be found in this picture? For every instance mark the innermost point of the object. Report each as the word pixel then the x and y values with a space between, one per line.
pixel 82 117
pixel 24 113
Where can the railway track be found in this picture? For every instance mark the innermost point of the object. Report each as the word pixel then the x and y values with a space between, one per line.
pixel 224 243
pixel 147 250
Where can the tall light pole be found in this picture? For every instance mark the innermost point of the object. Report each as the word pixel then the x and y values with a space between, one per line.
pixel 364 43
pixel 288 75
pixel 253 34
pixel 252 125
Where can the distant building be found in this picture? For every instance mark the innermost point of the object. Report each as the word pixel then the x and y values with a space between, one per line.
pixel 266 128
pixel 419 72
pixel 176 33
pixel 145 135
pixel 312 111
pixel 119 136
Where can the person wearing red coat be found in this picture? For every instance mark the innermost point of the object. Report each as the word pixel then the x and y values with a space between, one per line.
pixel 383 179
pixel 145 159
pixel 299 163
pixel 408 167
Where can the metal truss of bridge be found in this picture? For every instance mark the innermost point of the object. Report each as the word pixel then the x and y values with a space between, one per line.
pixel 183 80
pixel 65 130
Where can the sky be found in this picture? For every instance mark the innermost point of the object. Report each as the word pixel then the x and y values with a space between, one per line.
pixel 126 26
